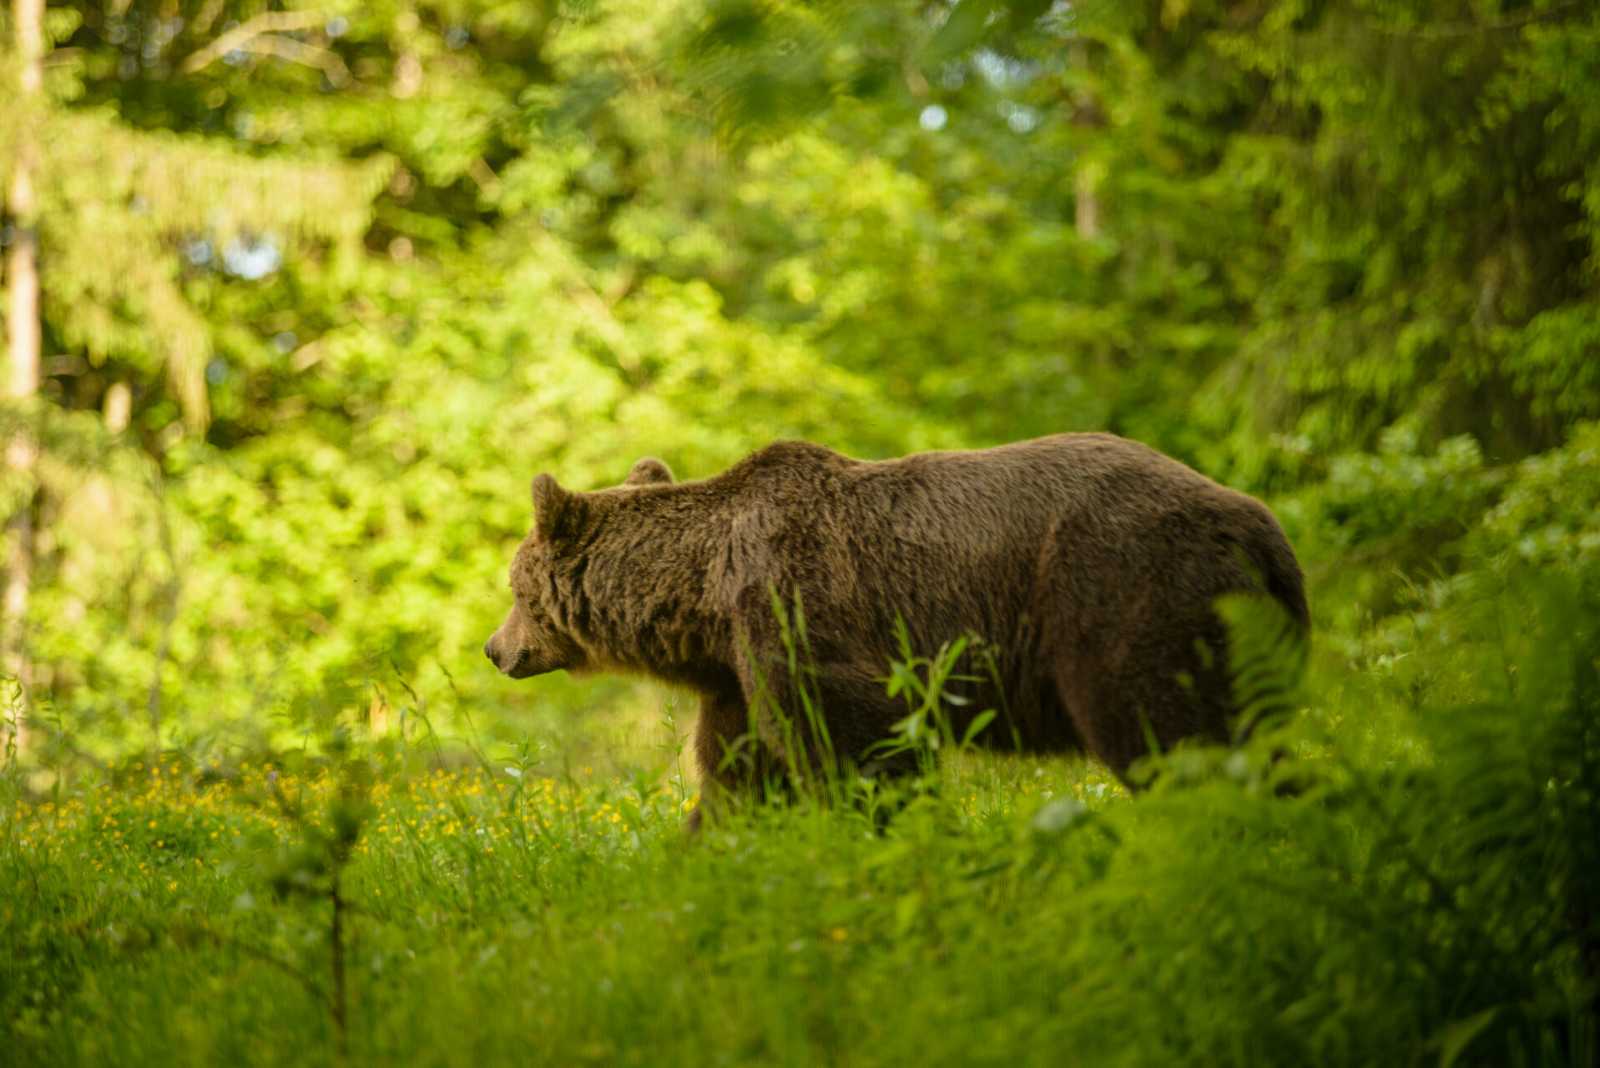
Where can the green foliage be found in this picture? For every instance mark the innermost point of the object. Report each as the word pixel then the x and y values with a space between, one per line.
pixel 1437 905
pixel 1267 656
pixel 403 258
pixel 924 684
pixel 324 287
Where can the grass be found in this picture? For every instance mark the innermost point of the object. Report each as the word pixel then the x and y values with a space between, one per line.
pixel 1430 898
pixel 494 919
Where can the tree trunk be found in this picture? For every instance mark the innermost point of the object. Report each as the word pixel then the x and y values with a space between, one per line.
pixel 23 342
pixel 1086 113
pixel 1086 203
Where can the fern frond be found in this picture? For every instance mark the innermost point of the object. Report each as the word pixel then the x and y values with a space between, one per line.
pixel 1267 655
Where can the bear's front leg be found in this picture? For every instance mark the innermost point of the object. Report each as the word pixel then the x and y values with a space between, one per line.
pixel 725 754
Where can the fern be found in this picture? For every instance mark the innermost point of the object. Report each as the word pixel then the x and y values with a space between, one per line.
pixel 1267 654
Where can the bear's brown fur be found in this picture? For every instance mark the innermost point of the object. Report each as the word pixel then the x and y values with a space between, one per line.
pixel 1089 566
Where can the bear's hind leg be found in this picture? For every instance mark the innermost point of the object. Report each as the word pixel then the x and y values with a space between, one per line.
pixel 1119 709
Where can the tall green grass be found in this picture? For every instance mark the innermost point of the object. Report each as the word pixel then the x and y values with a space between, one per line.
pixel 1428 894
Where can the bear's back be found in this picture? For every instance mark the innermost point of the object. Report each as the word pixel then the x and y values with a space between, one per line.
pixel 1018 490
pixel 951 530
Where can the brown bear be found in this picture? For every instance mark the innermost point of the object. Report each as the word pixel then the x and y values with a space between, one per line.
pixel 1088 566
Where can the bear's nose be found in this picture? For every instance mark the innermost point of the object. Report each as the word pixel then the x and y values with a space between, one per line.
pixel 488 651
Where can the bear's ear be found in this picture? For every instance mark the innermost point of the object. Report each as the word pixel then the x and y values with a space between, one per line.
pixel 555 510
pixel 649 472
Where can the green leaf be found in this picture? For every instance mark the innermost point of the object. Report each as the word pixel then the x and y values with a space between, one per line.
pixel 975 728
pixel 1457 1037
pixel 962 29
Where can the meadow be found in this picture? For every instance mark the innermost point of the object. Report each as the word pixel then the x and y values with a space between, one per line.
pixel 1402 872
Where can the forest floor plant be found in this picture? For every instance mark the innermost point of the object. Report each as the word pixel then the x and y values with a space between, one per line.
pixel 1427 896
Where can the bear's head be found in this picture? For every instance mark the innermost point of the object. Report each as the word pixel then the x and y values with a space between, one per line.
pixel 535 637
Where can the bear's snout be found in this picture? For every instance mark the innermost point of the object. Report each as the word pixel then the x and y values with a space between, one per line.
pixel 513 661
pixel 503 658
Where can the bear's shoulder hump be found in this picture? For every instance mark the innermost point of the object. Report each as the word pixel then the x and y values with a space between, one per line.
pixel 789 456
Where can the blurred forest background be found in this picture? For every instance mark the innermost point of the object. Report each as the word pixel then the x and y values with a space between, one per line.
pixel 320 288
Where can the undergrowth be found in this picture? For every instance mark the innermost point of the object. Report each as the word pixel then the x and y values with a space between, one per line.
pixel 1428 893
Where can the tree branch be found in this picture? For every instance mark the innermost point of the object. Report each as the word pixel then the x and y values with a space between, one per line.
pixel 325 60
pixel 242 35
